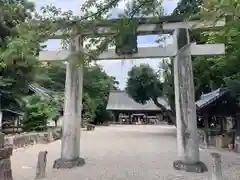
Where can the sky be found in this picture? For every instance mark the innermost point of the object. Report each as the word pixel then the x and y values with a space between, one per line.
pixel 116 68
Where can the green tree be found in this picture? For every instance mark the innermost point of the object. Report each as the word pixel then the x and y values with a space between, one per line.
pixel 38 111
pixel 39 30
pixel 55 108
pixel 97 84
pixel 187 7
pixel 51 19
pixel 227 66
pixel 144 84
pixel 221 71
pixel 16 68
pixel 36 29
pixel 52 76
pixel 96 87
pixel 215 72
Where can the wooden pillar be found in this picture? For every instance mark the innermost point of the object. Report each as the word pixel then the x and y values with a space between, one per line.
pixel 117 117
pixel 114 116
pixel 221 125
pixel 70 145
pixel 237 134
pixel 206 127
pixel 186 120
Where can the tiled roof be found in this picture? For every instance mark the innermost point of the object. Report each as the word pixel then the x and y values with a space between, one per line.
pixel 119 100
pixel 45 92
pixel 208 98
pixel 40 90
pixel 13 112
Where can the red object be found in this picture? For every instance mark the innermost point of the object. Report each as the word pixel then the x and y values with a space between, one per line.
pixel 230 147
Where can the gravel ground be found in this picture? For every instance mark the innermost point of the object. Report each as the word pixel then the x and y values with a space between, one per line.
pixel 122 153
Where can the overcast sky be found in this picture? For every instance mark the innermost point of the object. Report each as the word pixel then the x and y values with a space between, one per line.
pixel 115 68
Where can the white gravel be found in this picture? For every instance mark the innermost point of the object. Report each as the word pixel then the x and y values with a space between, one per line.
pixel 133 152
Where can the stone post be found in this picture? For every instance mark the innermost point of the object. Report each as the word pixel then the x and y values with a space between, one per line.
pixel 41 165
pixel 72 113
pixel 50 134
pixel 180 126
pixel 187 137
pixel 217 167
pixel 5 162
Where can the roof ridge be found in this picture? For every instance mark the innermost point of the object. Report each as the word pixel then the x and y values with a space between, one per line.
pixel 219 90
pixel 208 98
pixel 117 91
pixel 120 100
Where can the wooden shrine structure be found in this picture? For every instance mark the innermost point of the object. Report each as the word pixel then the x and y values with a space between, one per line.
pixel 127 111
pixel 218 113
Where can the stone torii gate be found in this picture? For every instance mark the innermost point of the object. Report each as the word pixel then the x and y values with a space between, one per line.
pixel 182 50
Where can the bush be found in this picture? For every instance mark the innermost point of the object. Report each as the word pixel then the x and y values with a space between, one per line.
pixel 38 111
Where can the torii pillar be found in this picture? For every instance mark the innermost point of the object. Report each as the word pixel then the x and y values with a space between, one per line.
pixel 70 144
pixel 186 120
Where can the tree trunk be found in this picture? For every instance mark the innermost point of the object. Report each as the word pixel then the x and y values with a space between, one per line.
pixel 170 113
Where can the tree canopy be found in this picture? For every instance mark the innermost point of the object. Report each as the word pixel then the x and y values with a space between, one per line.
pixel 187 7
pixel 210 73
pixel 96 87
pixel 144 84
pixel 23 29
pixel 16 70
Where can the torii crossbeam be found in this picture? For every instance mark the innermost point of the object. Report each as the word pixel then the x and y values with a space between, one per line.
pixel 143 52
pixel 181 50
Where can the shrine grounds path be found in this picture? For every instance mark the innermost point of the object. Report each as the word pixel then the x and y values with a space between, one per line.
pixel 137 152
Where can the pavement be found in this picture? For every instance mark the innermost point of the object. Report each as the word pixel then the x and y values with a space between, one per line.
pixel 122 152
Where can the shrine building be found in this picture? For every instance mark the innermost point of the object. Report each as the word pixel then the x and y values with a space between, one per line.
pixel 127 111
